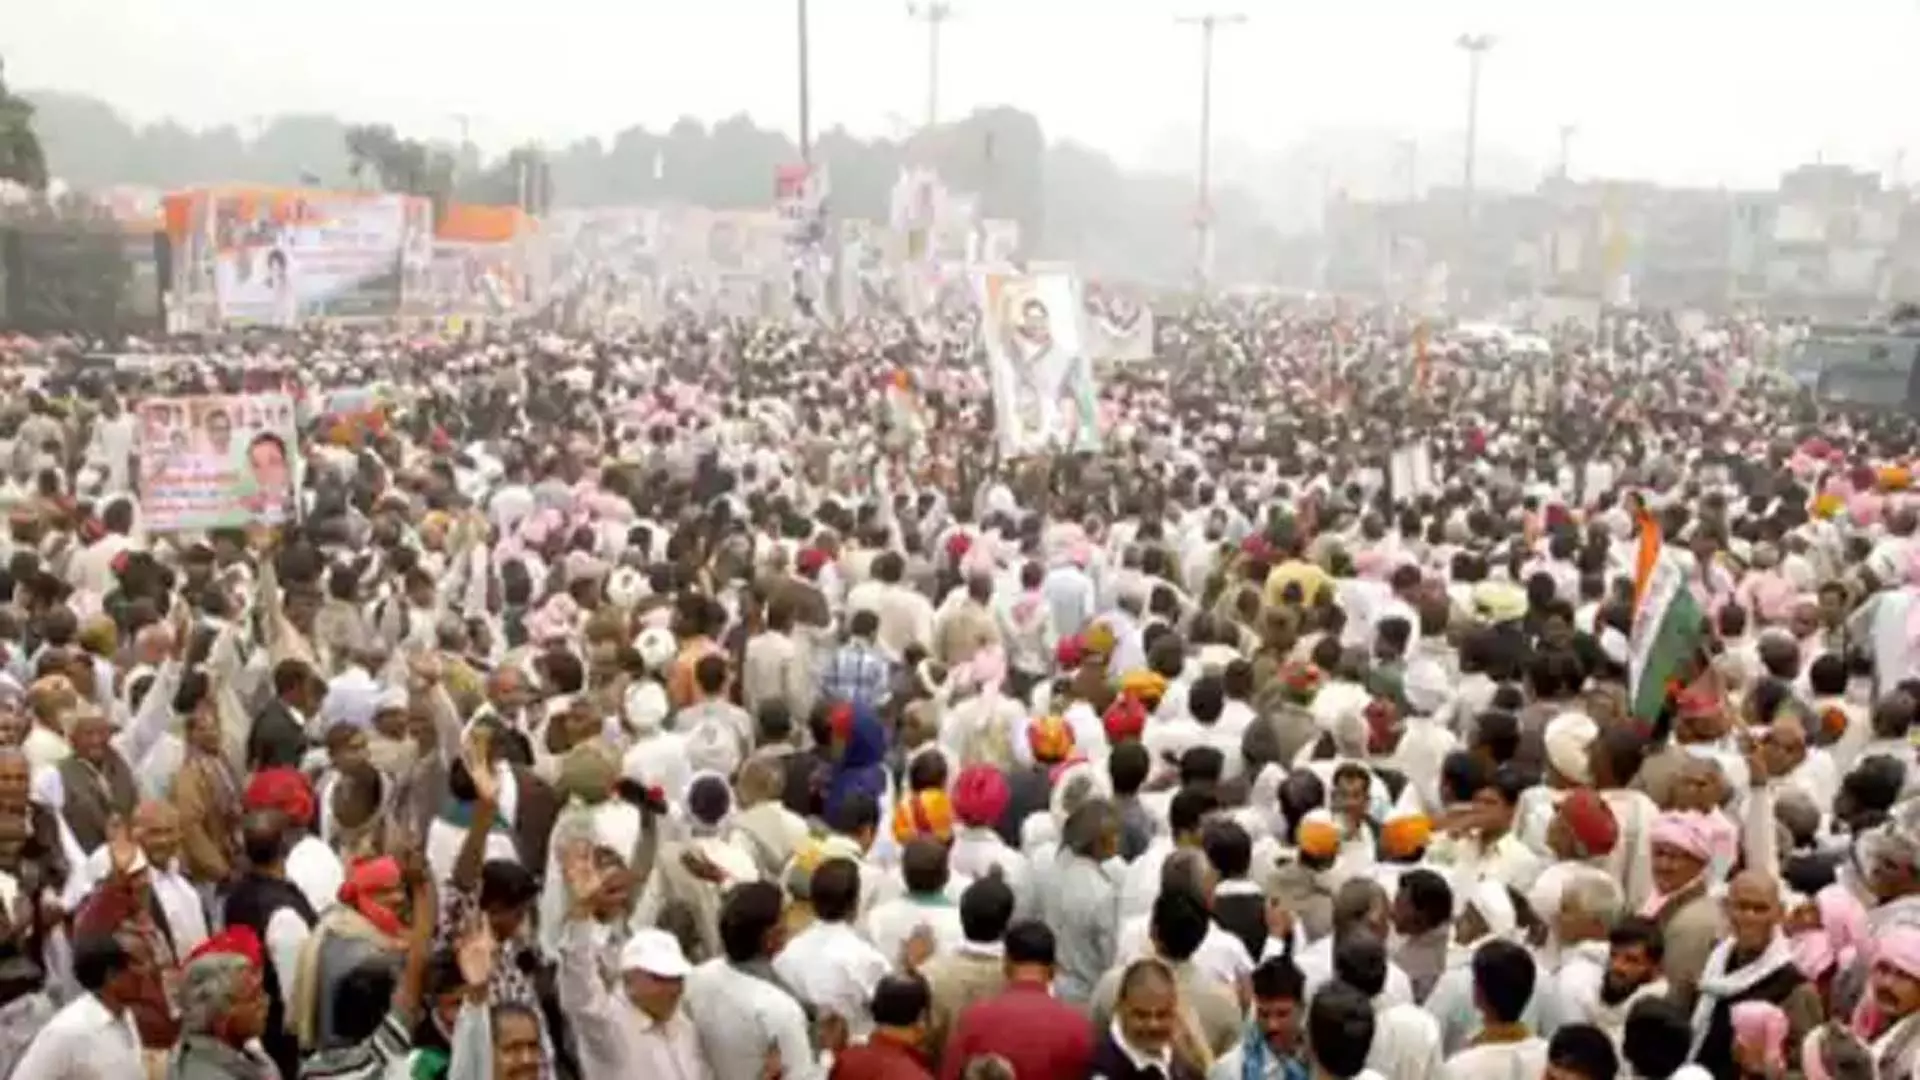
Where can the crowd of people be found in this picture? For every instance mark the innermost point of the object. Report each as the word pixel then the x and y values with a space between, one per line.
pixel 694 703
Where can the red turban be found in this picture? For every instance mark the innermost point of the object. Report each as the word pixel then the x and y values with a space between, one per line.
pixel 958 545
pixel 810 560
pixel 1070 651
pixel 283 789
pixel 979 795
pixel 1126 718
pixel 238 941
pixel 366 877
pixel 1591 821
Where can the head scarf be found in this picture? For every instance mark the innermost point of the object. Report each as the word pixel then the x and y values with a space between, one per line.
pixel 923 813
pixel 1567 738
pixel 1146 685
pixel 1495 905
pixel 283 789
pixel 238 941
pixel 588 773
pixel 1762 1024
pixel 1318 836
pixel 366 877
pixel 862 768
pixel 1405 836
pixel 1126 718
pixel 1833 945
pixel 980 795
pixel 1051 739
pixel 1591 821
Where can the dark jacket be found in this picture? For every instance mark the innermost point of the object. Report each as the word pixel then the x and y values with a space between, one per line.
pixel 277 739
pixel 1787 989
pixel 1112 1063
pixel 252 903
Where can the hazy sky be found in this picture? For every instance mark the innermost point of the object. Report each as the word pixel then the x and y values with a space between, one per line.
pixel 1683 91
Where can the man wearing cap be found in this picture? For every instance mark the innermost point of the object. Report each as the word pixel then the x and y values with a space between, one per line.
pixel 640 1030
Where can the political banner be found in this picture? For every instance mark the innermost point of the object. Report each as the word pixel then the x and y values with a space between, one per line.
pixel 1043 387
pixel 217 462
pixel 279 257
pixel 1119 329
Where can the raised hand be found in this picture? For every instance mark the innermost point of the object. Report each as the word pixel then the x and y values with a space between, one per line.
pixel 475 954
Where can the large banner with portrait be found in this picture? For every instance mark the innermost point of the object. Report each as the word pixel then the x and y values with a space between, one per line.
pixel 280 257
pixel 217 462
pixel 1043 389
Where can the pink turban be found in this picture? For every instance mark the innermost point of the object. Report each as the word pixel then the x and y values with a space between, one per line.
pixel 1898 949
pixel 1686 830
pixel 1864 508
pixel 1834 943
pixel 1761 1024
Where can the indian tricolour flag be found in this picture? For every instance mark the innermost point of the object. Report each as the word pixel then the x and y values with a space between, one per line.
pixel 1666 623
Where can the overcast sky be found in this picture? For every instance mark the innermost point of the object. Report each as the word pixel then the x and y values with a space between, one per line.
pixel 1683 91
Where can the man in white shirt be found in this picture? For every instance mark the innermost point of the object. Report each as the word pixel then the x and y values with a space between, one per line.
pixel 1503 978
pixel 93 1037
pixel 829 965
pixel 749 1023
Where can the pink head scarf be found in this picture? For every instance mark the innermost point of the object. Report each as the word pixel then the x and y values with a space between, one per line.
pixel 1898 949
pixel 1761 1024
pixel 1835 943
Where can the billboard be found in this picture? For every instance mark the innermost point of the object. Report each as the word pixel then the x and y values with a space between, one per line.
pixel 217 461
pixel 280 257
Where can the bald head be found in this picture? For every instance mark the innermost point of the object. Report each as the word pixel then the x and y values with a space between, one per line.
pixel 152 813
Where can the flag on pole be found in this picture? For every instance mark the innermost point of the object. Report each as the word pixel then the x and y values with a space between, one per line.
pixel 1666 623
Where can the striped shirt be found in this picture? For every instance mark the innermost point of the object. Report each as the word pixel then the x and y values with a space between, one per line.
pixel 367 1059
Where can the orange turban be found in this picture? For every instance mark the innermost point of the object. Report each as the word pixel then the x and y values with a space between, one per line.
pixel 923 813
pixel 1319 836
pixel 1406 836
pixel 1895 478
pixel 1050 738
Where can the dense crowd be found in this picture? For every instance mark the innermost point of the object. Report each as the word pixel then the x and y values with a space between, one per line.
pixel 715 702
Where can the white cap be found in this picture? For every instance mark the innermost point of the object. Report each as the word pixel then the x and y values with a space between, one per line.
pixel 655 952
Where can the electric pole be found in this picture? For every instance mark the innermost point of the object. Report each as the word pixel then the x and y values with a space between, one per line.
pixel 1203 212
pixel 934 13
pixel 1475 46
pixel 1567 132
pixel 806 105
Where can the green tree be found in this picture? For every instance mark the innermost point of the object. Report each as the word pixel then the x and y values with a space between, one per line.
pixel 21 157
pixel 376 152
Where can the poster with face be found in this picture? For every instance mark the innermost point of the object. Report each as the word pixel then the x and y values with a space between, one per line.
pixel 1037 365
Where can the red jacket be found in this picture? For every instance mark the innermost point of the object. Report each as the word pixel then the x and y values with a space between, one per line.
pixel 1039 1036
pixel 883 1058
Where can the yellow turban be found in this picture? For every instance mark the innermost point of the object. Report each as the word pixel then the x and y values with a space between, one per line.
pixel 1099 639
pixel 1895 478
pixel 1149 686
pixel 1827 505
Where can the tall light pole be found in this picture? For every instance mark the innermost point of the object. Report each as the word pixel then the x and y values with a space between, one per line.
pixel 806 104
pixel 934 13
pixel 1203 213
pixel 1567 132
pixel 1476 46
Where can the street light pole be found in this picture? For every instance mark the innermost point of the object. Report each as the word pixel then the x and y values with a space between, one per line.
pixel 1476 46
pixel 806 105
pixel 1567 132
pixel 935 13
pixel 1203 213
